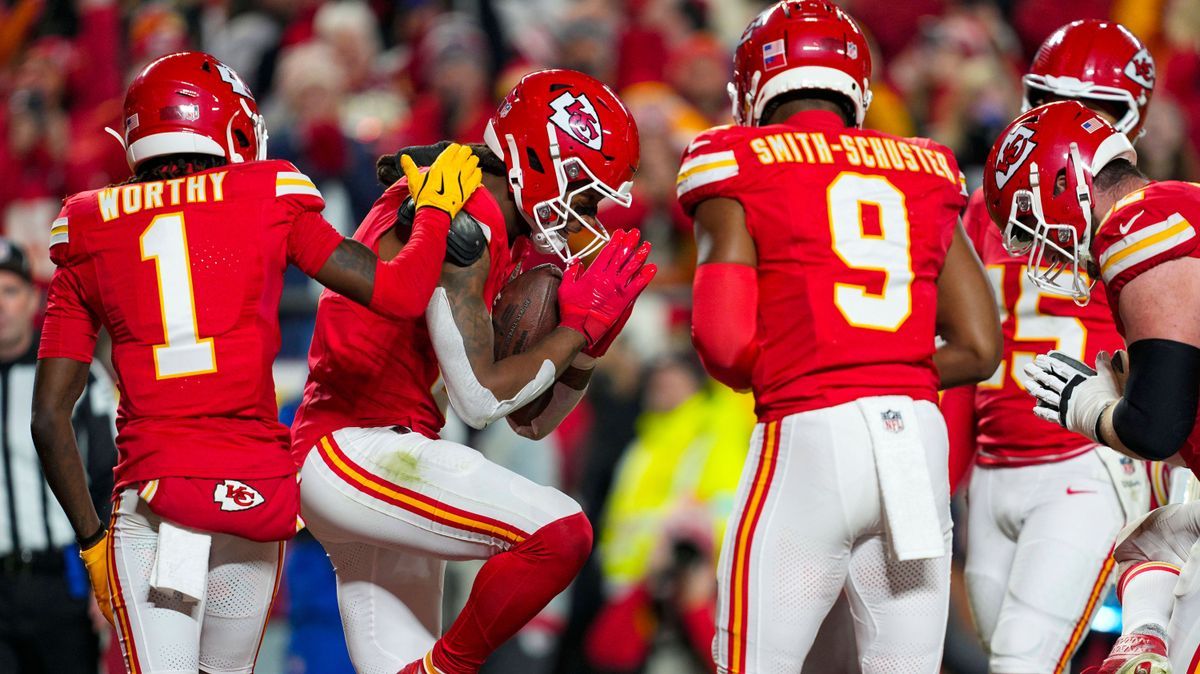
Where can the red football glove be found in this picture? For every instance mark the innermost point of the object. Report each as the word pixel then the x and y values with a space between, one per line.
pixel 593 301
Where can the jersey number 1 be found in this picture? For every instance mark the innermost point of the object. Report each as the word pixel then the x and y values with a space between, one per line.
pixel 184 353
pixel 888 252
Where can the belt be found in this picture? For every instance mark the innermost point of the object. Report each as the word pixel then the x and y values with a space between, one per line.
pixel 28 562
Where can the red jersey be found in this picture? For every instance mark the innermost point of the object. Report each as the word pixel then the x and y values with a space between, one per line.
pixel 851 228
pixel 368 370
pixel 1008 433
pixel 1145 229
pixel 186 275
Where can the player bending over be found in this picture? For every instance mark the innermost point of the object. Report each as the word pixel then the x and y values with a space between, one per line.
pixel 183 265
pixel 1046 504
pixel 389 500
pixel 829 259
pixel 1062 185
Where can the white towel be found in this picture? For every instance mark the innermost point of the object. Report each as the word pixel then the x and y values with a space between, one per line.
pixel 181 563
pixel 906 491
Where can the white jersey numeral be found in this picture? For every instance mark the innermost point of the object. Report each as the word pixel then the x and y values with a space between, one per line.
pixel 1031 324
pixel 184 353
pixel 888 252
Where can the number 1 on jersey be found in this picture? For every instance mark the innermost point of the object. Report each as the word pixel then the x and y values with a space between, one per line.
pixel 184 353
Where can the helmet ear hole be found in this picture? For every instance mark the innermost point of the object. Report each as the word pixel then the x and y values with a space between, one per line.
pixel 1060 182
pixel 241 138
pixel 534 162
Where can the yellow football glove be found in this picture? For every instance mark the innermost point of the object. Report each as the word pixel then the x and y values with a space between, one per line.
pixel 95 558
pixel 449 182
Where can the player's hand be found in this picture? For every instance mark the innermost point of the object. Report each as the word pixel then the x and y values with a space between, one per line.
pixel 448 183
pixel 95 559
pixel 1070 393
pixel 593 301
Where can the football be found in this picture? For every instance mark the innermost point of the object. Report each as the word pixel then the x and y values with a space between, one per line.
pixel 525 311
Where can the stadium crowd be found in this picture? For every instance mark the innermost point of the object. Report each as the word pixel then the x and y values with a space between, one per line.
pixel 655 450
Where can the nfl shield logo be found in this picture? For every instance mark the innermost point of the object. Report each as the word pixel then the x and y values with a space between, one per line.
pixel 892 421
pixel 774 55
pixel 1127 464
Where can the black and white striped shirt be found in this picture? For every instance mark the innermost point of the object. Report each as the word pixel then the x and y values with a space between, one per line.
pixel 30 518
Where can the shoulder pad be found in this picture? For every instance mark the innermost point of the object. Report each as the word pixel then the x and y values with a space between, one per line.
pixel 466 240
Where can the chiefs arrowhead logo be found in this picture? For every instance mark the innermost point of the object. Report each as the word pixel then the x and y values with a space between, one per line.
pixel 234 495
pixel 1140 69
pixel 577 117
pixel 1015 150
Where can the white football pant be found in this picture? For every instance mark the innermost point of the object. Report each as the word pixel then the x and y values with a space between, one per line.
pixel 1039 559
pixel 390 508
pixel 808 524
pixel 166 633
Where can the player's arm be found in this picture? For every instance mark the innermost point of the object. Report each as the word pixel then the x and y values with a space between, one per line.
pixel 725 292
pixel 566 393
pixel 967 319
pixel 399 287
pixel 68 339
pixel 482 389
pixel 1156 410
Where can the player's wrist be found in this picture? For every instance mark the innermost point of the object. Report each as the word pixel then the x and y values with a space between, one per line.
pixel 91 540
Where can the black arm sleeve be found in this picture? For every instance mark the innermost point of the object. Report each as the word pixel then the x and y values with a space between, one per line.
pixel 1158 411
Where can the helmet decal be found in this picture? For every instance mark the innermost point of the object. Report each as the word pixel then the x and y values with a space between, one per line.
pixel 577 117
pixel 774 55
pixel 234 80
pixel 1140 68
pixel 1016 149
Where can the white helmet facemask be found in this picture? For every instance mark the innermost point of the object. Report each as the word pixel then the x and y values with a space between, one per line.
pixel 1057 257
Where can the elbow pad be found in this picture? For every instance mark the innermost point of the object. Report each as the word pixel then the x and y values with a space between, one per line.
pixel 1158 411
pixel 474 403
pixel 466 241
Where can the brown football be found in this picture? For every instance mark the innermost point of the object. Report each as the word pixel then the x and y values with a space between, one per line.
pixel 525 311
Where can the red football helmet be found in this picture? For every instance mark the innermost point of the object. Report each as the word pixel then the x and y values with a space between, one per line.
pixel 192 103
pixel 560 134
pixel 1096 60
pixel 1057 141
pixel 796 45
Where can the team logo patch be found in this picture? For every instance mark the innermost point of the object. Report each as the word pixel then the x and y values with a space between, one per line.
pixel 892 421
pixel 1140 69
pixel 774 55
pixel 1013 153
pixel 577 117
pixel 234 496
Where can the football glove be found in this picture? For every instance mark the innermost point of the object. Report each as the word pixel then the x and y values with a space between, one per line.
pixel 1070 393
pixel 95 559
pixel 593 301
pixel 448 183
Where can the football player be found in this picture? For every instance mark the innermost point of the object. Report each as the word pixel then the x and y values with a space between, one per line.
pixel 1063 186
pixel 389 500
pixel 183 265
pixel 1046 504
pixel 829 258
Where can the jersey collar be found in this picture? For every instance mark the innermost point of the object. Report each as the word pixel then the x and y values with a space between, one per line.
pixel 816 118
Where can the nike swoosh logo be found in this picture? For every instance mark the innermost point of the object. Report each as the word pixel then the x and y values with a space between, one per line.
pixel 1128 224
pixel 1072 492
pixel 441 188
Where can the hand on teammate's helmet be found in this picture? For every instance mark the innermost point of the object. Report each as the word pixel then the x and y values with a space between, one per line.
pixel 95 560
pixel 593 301
pixel 448 183
pixel 1070 393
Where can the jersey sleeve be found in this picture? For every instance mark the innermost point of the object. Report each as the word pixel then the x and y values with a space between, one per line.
pixel 1144 230
pixel 709 169
pixel 71 326
pixel 311 239
pixel 976 221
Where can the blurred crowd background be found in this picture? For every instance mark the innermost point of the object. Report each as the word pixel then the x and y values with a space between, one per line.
pixel 655 451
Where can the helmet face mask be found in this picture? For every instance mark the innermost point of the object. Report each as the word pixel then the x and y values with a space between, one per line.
pixel 563 135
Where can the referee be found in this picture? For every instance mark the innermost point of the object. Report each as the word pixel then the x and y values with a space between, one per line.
pixel 44 595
